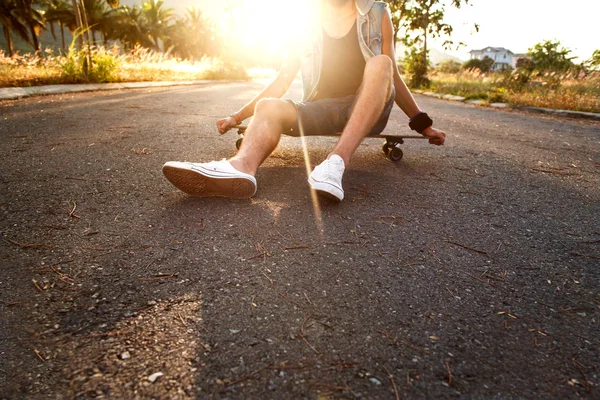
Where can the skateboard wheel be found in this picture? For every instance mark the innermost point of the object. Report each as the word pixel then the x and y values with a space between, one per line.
pixel 238 143
pixel 395 154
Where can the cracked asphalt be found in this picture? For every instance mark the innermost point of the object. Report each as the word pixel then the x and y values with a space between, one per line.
pixel 464 271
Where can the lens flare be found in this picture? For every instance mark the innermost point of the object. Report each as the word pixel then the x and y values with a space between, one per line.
pixel 313 194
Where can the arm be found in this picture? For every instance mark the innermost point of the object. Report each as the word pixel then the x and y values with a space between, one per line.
pixel 404 98
pixel 275 89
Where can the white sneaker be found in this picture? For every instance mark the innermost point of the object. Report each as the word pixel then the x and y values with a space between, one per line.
pixel 216 178
pixel 326 178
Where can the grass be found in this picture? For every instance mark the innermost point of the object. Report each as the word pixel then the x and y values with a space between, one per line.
pixel 109 66
pixel 570 94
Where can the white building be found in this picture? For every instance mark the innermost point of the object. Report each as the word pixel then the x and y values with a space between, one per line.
pixel 503 58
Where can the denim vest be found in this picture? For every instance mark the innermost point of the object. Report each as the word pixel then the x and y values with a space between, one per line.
pixel 369 38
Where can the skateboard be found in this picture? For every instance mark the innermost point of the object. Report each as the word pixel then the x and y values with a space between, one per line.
pixel 391 147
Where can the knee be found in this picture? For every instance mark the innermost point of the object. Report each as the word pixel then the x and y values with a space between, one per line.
pixel 269 107
pixel 380 65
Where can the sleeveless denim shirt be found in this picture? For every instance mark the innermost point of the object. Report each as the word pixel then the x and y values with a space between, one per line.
pixel 368 24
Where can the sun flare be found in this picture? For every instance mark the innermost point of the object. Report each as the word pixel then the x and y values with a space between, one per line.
pixel 266 28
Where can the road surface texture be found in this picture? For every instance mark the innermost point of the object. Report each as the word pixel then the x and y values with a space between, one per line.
pixel 464 271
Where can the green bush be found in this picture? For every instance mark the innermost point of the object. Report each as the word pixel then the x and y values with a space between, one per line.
pixel 104 67
pixel 89 64
pixel 449 67
pixel 484 65
pixel 416 66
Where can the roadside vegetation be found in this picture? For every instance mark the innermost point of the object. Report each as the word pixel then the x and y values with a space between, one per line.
pixel 570 94
pixel 547 77
pixel 95 41
pixel 110 65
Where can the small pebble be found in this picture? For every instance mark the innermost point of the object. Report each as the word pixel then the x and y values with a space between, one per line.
pixel 125 355
pixel 152 378
pixel 375 381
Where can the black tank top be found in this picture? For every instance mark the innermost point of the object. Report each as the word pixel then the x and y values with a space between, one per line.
pixel 343 66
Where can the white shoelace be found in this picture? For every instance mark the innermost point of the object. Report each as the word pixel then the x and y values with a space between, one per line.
pixel 332 169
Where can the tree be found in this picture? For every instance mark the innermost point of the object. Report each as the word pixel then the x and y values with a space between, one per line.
pixel 416 66
pixel 552 62
pixel 33 19
pixel 108 24
pixel 80 9
pixel 594 60
pixel 157 19
pixel 191 37
pixel 590 65
pixel 131 29
pixel 525 63
pixel 426 19
pixel 100 17
pixel 484 65
pixel 550 56
pixel 582 70
pixel 398 14
pixel 60 12
pixel 11 21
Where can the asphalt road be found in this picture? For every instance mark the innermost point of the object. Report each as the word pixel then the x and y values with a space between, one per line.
pixel 469 270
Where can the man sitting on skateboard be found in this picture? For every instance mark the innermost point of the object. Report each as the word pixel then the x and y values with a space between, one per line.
pixel 350 85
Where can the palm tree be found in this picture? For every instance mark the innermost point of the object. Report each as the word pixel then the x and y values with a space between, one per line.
pixel 202 32
pixel 33 19
pixel 176 40
pixel 190 37
pixel 107 23
pixel 10 18
pixel 157 19
pixel 88 13
pixel 94 12
pixel 130 28
pixel 61 12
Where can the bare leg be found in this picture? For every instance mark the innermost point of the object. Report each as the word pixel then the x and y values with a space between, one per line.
pixel 375 90
pixel 271 118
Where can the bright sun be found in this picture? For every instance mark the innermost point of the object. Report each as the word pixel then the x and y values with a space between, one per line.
pixel 265 27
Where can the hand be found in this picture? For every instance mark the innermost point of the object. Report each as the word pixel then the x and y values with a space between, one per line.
pixel 435 136
pixel 225 124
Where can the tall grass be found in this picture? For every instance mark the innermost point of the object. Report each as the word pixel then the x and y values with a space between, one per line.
pixel 109 65
pixel 569 94
pixel 29 70
pixel 146 65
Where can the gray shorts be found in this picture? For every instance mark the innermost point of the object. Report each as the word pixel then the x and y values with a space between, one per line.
pixel 330 116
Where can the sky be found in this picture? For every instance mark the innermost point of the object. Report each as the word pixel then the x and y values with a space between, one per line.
pixel 514 24
pixel 519 24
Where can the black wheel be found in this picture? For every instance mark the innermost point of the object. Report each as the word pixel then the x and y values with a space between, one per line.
pixel 238 143
pixel 385 148
pixel 395 154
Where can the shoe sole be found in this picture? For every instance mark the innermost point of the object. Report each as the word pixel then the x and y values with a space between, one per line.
pixel 328 196
pixel 325 190
pixel 196 184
